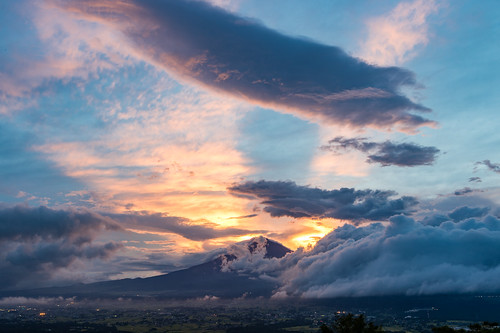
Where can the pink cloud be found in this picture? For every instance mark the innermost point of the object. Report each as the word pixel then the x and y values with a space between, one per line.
pixel 395 38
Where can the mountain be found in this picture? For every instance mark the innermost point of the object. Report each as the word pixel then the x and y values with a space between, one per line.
pixel 213 278
pixel 272 249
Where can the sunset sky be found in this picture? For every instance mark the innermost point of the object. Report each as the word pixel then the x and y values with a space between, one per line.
pixel 142 137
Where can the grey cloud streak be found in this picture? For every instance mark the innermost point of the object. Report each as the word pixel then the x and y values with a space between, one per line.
pixel 386 153
pixel 192 230
pixel 285 198
pixel 238 56
pixel 21 223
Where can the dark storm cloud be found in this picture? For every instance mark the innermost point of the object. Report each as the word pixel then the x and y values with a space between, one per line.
pixel 386 153
pixel 36 243
pixel 241 57
pixel 495 167
pixel 285 198
pixel 194 230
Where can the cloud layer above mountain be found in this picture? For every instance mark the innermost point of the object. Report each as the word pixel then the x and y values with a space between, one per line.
pixel 285 198
pixel 197 231
pixel 238 56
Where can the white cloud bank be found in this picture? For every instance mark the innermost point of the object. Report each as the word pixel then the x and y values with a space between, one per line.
pixel 403 257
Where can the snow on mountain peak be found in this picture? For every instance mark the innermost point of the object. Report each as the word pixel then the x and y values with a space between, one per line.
pixel 251 252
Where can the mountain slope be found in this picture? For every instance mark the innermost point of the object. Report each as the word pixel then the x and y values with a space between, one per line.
pixel 212 278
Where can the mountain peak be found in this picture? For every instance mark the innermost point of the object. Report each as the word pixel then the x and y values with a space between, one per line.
pixel 269 248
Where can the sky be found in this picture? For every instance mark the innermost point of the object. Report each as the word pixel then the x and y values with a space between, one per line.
pixel 143 137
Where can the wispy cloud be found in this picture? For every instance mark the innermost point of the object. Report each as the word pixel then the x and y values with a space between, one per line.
pixel 160 148
pixel 395 38
pixel 466 190
pixel 230 54
pixel 495 167
pixel 386 153
pixel 193 230
pixel 63 49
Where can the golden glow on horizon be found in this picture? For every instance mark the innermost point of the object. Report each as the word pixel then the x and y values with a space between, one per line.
pixel 314 230
pixel 300 233
pixel 307 241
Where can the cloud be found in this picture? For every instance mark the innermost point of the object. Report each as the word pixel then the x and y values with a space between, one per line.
pixel 189 229
pixel 405 257
pixel 61 49
pixel 495 167
pixel 160 262
pixel 24 172
pixel 386 153
pixel 36 244
pixel 465 212
pixel 475 179
pixel 466 190
pixel 163 155
pixel 463 191
pixel 21 223
pixel 285 198
pixel 43 246
pixel 394 38
pixel 223 52
pixel 400 257
pixel 242 217
pixel 13 301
